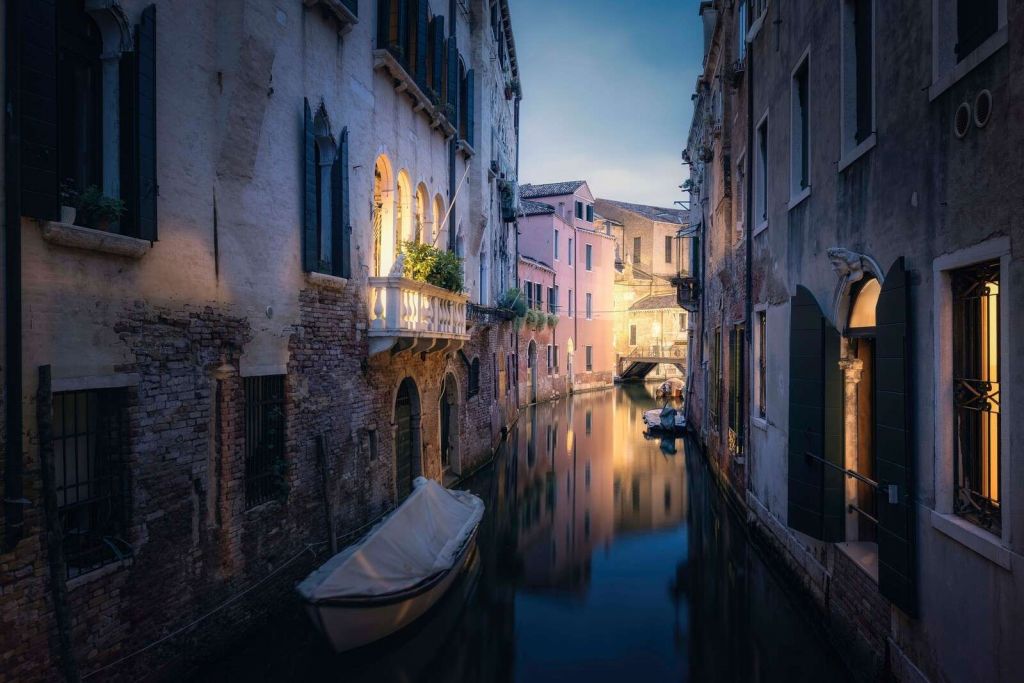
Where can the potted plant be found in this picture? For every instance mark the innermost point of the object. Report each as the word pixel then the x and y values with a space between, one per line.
pixel 68 201
pixel 552 320
pixel 98 210
pixel 426 263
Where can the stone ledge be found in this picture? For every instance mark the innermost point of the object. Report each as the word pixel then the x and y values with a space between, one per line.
pixel 77 237
pixel 325 281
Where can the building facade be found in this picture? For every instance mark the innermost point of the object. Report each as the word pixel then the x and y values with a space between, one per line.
pixel 650 256
pixel 557 228
pixel 216 380
pixel 878 349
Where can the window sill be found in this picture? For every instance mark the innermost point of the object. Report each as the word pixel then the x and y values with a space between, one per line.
pixel 760 423
pixel 795 200
pixel 761 227
pixel 755 27
pixel 986 544
pixel 77 237
pixel 857 152
pixel 324 281
pixel 862 554
pixel 98 573
pixel 980 54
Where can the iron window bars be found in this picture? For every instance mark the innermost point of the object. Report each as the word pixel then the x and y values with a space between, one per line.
pixel 265 465
pixel 90 447
pixel 976 424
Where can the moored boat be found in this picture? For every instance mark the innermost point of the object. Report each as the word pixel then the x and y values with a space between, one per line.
pixel 398 571
pixel 667 419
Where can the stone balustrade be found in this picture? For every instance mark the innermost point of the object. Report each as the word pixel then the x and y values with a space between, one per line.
pixel 411 315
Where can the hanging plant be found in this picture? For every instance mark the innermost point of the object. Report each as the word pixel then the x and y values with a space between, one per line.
pixel 513 302
pixel 552 320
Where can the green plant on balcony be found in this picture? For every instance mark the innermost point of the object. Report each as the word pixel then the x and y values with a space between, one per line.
pixel 552 320
pixel 512 302
pixel 426 263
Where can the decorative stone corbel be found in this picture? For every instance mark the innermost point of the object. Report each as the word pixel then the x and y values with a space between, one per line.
pixel 850 267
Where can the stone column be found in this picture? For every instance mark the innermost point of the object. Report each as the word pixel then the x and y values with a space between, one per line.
pixel 852 368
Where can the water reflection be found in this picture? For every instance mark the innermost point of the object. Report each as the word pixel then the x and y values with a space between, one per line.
pixel 603 555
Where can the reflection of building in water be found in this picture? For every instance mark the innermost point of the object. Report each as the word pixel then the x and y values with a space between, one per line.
pixel 579 462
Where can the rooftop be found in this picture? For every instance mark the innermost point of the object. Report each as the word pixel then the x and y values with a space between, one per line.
pixel 651 303
pixel 529 191
pixel 529 208
pixel 654 213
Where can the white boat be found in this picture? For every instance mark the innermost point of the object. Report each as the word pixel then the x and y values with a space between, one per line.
pixel 665 419
pixel 398 571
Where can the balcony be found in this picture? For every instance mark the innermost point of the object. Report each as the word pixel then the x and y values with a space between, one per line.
pixel 408 315
pixel 687 292
pixel 440 116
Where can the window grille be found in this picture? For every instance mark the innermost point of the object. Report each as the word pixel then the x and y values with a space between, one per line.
pixel 976 424
pixel 264 439
pixel 90 448
pixel 762 364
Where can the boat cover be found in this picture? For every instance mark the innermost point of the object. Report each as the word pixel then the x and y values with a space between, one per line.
pixel 419 539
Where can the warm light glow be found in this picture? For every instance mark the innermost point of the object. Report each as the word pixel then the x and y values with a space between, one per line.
pixel 862 313
pixel 990 419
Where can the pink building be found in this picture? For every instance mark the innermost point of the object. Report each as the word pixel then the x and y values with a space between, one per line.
pixel 556 229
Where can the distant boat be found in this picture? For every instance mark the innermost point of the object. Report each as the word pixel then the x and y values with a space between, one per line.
pixel 394 575
pixel 667 420
pixel 670 388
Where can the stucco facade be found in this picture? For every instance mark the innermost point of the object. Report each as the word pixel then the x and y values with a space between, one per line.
pixel 886 189
pixel 557 227
pixel 179 323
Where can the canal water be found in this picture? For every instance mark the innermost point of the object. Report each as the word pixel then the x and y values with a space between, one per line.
pixel 603 556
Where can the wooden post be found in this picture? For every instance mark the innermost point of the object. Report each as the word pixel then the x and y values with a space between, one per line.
pixel 51 515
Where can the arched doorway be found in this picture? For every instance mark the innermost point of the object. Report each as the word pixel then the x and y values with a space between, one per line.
pixel 531 363
pixel 407 438
pixel 449 413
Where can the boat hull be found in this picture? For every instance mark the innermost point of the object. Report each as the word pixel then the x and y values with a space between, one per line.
pixel 351 625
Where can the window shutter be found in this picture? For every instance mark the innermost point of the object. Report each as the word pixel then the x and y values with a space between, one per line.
pixel 422 28
pixel 894 449
pixel 309 241
pixel 146 185
pixel 470 107
pixel 383 24
pixel 816 492
pixel 437 26
pixel 37 102
pixel 453 77
pixel 341 231
pixel 403 33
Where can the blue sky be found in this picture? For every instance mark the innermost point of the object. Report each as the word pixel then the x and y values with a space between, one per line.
pixel 606 93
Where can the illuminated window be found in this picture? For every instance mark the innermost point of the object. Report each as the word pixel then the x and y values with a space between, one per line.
pixel 862 310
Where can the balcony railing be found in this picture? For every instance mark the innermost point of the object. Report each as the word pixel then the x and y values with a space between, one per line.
pixel 411 315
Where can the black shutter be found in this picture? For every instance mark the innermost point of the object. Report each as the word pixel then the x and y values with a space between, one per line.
pixel 816 492
pixel 37 101
pixel 129 157
pixel 402 40
pixel 146 185
pixel 894 449
pixel 422 28
pixel 340 228
pixel 437 29
pixel 470 107
pixel 453 78
pixel 383 24
pixel 309 236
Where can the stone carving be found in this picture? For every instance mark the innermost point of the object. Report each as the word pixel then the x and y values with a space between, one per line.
pixel 398 268
pixel 847 264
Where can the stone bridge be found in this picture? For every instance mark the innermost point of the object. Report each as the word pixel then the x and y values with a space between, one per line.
pixel 639 362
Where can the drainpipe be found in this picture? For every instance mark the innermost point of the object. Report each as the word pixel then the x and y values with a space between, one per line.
pixel 13 494
pixel 748 213
pixel 452 223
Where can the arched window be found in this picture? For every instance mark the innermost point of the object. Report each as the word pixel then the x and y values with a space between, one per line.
pixel 440 223
pixel 421 222
pixel 326 231
pixel 383 217
pixel 862 308
pixel 81 90
pixel 403 215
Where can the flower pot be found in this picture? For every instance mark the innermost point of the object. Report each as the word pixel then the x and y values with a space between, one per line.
pixel 67 214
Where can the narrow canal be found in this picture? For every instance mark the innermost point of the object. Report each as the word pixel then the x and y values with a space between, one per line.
pixel 603 556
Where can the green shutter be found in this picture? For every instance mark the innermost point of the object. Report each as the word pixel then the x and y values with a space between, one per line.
pixel 309 241
pixel 894 449
pixel 470 107
pixel 816 491
pixel 422 29
pixel 437 29
pixel 340 228
pixel 36 104
pixel 453 77
pixel 146 185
